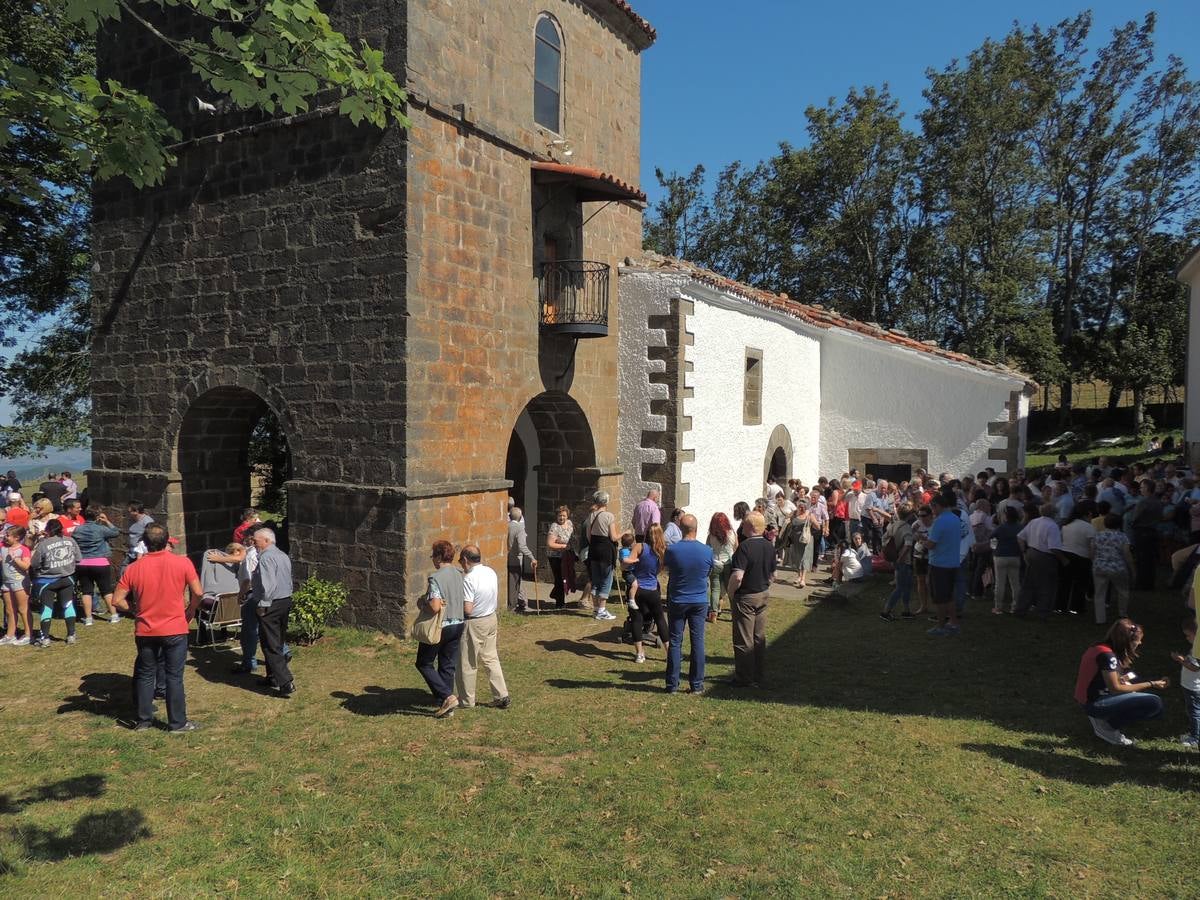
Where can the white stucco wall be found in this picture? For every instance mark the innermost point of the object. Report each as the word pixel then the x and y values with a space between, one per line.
pixel 729 456
pixel 1190 275
pixel 640 295
pixel 878 395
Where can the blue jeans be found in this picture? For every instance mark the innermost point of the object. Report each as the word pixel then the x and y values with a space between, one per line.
pixel 691 615
pixel 1118 710
pixel 169 654
pixel 249 635
pixel 438 662
pixel 1192 699
pixel 904 586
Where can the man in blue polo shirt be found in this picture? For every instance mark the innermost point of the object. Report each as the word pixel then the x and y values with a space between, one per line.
pixel 944 540
pixel 688 562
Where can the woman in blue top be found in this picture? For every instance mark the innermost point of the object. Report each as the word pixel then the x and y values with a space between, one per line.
pixel 647 560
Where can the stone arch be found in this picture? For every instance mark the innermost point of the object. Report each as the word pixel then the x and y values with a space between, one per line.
pixel 211 455
pixel 562 463
pixel 779 455
pixel 228 377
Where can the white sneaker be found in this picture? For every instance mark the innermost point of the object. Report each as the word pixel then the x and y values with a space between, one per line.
pixel 21 641
pixel 632 603
pixel 1110 735
pixel 89 621
pixel 1186 739
pixel 8 640
pixel 114 618
pixel 70 638
pixel 604 615
pixel 641 657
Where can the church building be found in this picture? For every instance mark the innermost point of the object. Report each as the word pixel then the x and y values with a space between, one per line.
pixel 724 386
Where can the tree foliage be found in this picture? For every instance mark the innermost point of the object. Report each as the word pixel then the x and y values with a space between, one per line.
pixel 1028 216
pixel 62 125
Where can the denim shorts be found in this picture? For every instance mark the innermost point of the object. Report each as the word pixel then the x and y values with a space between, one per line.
pixel 602 578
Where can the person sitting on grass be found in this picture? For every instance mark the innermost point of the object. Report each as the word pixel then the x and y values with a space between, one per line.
pixel 1109 691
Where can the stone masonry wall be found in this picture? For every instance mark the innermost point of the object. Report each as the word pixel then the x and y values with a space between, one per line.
pixel 272 261
pixel 477 354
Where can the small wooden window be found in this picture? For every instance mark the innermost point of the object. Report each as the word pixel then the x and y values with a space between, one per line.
pixel 547 75
pixel 752 388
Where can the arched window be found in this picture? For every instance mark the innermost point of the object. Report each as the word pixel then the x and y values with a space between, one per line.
pixel 547 75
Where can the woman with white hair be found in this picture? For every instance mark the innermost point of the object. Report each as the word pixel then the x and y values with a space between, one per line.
pixel 600 533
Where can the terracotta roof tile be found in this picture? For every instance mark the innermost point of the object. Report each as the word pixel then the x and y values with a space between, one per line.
pixel 601 182
pixel 637 20
pixel 818 316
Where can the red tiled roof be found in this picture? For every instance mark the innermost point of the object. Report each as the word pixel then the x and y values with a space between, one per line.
pixel 592 183
pixel 637 20
pixel 818 316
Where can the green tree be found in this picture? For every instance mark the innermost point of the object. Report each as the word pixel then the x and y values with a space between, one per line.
pixel 979 184
pixel 61 126
pixel 673 228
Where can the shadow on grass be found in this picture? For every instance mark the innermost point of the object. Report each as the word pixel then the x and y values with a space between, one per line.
pixel 647 680
pixel 584 648
pixel 215 665
pixel 380 701
pixel 1015 673
pixel 98 833
pixel 107 694
pixel 67 789
pixel 1172 770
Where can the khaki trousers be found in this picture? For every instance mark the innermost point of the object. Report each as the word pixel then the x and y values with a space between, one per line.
pixel 750 638
pixel 478 651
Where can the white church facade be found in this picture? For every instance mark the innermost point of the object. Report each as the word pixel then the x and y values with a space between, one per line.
pixel 723 385
pixel 1189 273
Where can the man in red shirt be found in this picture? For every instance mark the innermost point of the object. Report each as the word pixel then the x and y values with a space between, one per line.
pixel 157 582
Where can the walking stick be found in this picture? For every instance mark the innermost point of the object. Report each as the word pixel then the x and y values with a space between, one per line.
pixel 536 602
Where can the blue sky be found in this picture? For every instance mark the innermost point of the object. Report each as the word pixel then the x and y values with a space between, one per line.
pixel 729 81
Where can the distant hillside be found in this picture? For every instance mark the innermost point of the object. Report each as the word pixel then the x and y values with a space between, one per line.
pixel 31 470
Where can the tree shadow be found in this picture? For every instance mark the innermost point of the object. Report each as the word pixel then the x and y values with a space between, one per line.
pixel 107 694
pixel 98 833
pixel 1172 770
pixel 381 701
pixel 1015 673
pixel 67 789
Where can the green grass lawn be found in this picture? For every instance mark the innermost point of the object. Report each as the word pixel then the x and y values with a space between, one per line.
pixel 1130 450
pixel 879 762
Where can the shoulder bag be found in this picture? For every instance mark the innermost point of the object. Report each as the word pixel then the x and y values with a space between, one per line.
pixel 428 627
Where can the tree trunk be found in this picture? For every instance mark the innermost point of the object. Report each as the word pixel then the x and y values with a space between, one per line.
pixel 1114 396
pixel 1066 394
pixel 1139 408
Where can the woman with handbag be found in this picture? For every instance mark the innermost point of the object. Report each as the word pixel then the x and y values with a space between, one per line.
pixel 439 626
pixel 558 546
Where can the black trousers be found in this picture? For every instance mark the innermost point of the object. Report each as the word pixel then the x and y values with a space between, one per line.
pixel 169 654
pixel 437 663
pixel 1145 555
pixel 650 608
pixel 272 628
pixel 1074 584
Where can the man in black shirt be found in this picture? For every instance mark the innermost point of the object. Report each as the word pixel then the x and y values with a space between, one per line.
pixel 52 489
pixel 753 571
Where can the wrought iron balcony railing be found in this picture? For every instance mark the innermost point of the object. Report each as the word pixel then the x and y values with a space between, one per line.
pixel 574 297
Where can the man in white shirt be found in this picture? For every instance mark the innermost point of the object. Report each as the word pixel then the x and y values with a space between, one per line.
pixel 481 592
pixel 1041 542
pixel 773 490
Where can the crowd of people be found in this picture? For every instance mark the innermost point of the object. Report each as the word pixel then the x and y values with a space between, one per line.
pixel 56 561
pixel 1077 540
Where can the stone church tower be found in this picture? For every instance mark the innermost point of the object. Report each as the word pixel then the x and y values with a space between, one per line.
pixel 428 313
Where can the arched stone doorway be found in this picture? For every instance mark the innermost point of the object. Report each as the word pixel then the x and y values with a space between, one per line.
pixel 551 462
pixel 214 459
pixel 777 464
